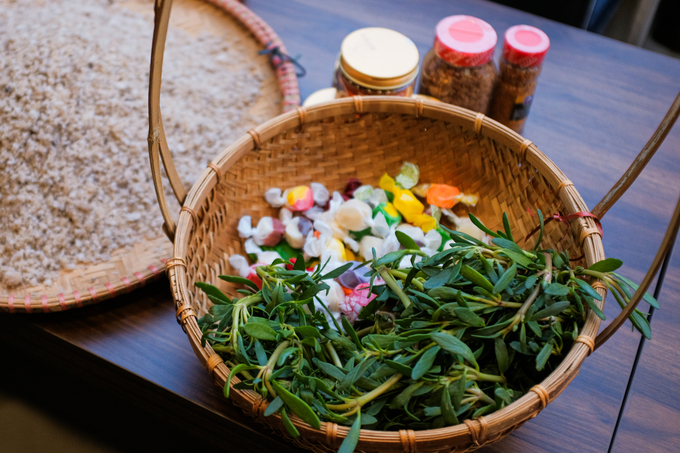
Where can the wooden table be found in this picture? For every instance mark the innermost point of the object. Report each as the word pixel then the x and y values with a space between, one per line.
pixel 598 101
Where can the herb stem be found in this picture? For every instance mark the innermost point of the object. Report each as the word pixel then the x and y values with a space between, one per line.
pixel 404 275
pixel 334 355
pixel 394 286
pixel 368 397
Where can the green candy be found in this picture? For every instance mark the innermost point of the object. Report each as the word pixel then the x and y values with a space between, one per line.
pixel 390 218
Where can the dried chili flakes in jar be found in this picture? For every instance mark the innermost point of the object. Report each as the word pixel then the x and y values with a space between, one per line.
pixel 459 69
pixel 523 53
pixel 376 61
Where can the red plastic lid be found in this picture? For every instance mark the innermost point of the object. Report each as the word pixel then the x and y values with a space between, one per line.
pixel 464 40
pixel 525 46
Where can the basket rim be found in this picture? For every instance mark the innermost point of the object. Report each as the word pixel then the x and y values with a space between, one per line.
pixel 57 300
pixel 523 409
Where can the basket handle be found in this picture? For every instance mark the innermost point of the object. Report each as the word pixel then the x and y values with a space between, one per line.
pixel 158 145
pixel 615 193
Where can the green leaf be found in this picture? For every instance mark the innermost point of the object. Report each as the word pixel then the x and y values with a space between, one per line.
pixel 424 363
pixel 606 265
pixel 210 290
pixel 308 331
pixel 501 355
pixel 647 297
pixel 313 291
pixel 329 369
pixel 543 356
pixel 506 225
pixel 587 288
pixel 469 317
pixel 454 346
pixel 299 263
pixel 260 331
pixel 540 231
pixel 553 310
pixel 351 332
pixel 290 427
pixel 390 257
pixel 241 280
pixel 406 240
pixel 503 394
pixel 593 306
pixel 481 226
pixel 476 278
pixel 233 372
pixel 273 406
pixel 404 397
pixel 260 353
pixel 557 289
pixel 641 324
pixel 350 442
pixel 337 272
pixel 441 278
pixel 299 407
pixel 505 279
pixel 447 408
pixel 321 386
pixel 399 367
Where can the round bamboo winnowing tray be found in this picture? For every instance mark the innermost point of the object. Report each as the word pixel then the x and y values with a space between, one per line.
pixel 364 138
pixel 133 267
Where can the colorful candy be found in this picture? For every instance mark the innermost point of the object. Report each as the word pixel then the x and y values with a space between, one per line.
pixel 443 195
pixel 389 211
pixel 354 215
pixel 408 176
pixel 407 204
pixel 357 300
pixel 299 198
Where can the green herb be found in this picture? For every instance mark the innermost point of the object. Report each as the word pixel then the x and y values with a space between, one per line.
pixel 458 335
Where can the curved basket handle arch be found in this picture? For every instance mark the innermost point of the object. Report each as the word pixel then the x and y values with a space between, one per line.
pixel 158 145
pixel 615 193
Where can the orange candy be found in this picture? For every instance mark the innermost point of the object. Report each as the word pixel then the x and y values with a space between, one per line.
pixel 442 195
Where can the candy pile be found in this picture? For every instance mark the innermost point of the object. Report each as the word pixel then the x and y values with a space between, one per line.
pixel 333 230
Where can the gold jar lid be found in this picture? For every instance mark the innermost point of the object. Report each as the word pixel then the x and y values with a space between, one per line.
pixel 379 58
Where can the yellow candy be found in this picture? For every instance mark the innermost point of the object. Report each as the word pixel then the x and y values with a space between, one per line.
pixel 387 183
pixel 350 255
pixel 338 247
pixel 407 204
pixel 425 222
pixel 391 210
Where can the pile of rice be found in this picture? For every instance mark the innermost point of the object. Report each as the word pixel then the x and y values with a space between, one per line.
pixel 75 183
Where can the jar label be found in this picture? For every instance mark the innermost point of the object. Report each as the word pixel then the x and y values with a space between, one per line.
pixel 521 108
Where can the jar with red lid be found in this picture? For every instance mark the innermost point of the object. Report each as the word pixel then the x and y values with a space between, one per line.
pixel 376 61
pixel 459 69
pixel 524 49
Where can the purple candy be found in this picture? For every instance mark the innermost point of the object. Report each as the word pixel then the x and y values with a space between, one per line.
pixel 304 225
pixel 353 278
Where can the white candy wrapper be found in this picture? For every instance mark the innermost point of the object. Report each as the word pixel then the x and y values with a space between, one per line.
pixel 321 194
pixel 391 244
pixel 240 264
pixel 378 196
pixel 354 215
pixel 245 227
pixel 380 227
pixel 368 243
pixel 274 198
pixel 285 216
pixel 351 243
pixel 313 213
pixel 251 248
pixel 267 257
pixel 315 246
pixel 432 242
pixel 293 236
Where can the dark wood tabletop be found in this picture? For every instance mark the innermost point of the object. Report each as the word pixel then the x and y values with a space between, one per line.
pixel 598 101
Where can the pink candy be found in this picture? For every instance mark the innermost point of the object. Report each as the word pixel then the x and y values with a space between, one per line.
pixel 299 198
pixel 253 277
pixel 355 301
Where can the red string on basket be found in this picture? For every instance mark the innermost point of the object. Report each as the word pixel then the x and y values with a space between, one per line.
pixel 565 219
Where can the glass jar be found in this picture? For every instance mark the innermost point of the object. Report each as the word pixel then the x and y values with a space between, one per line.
pixel 376 61
pixel 524 49
pixel 459 69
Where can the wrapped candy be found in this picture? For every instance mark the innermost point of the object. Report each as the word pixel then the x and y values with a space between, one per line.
pixel 380 226
pixel 354 215
pixel 408 176
pixel 443 195
pixel 320 193
pixel 367 244
pixel 377 196
pixel 296 232
pixel 407 204
pixel 240 264
pixel 285 216
pixel 425 222
pixel 355 301
pixel 268 232
pixel 389 211
pixel 274 198
pixel 363 193
pixel 353 277
pixel 299 198
pixel 245 227
pixel 464 225
pixel 318 239
pixel 338 249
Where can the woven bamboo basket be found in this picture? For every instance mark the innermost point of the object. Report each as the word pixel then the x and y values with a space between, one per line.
pixel 131 268
pixel 365 137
